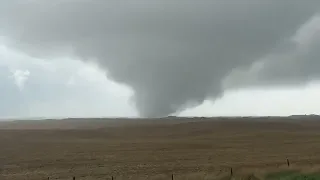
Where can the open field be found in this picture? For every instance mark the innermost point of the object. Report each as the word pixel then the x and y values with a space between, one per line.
pixel 154 149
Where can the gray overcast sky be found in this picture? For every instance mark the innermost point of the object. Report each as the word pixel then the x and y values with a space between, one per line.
pixel 154 58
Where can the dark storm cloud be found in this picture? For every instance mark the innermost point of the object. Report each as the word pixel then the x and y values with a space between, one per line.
pixel 298 64
pixel 171 53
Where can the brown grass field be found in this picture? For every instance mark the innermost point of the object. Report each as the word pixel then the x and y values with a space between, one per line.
pixel 193 148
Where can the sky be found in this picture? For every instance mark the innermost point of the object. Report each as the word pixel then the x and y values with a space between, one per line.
pixel 84 58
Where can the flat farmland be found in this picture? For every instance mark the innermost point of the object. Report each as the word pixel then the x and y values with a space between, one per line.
pixel 197 148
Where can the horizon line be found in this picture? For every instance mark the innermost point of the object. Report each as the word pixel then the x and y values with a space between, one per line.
pixel 12 118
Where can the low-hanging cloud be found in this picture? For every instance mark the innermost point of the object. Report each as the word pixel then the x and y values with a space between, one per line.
pixel 172 53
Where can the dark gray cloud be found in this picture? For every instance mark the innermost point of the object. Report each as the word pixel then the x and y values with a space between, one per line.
pixel 296 65
pixel 172 53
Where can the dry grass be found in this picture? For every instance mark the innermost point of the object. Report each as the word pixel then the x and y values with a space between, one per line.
pixel 144 149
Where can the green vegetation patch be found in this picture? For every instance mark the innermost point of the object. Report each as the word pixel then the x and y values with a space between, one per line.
pixel 292 175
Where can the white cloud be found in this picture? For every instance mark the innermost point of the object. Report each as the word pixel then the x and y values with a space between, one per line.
pixel 20 77
pixel 308 31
